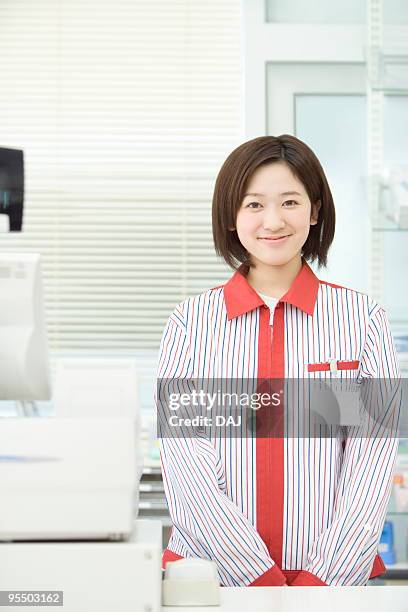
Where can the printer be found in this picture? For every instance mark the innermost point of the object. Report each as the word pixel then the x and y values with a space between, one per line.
pixel 67 479
pixel 69 497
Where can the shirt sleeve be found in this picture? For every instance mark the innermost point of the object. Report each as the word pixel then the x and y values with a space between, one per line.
pixel 344 553
pixel 206 520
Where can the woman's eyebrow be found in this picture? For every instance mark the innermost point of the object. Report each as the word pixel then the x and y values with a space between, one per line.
pixel 262 195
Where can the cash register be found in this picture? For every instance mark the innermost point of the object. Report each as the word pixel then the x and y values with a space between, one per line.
pixel 68 485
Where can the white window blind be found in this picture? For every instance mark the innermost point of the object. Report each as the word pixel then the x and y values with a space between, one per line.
pixel 125 110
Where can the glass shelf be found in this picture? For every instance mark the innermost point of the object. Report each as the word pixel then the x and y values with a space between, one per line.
pixel 391 91
pixel 399 567
pixel 390 229
pixel 391 74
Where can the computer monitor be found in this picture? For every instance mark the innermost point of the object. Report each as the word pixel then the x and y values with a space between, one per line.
pixel 12 187
pixel 24 360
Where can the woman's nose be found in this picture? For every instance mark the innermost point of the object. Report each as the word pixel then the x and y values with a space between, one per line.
pixel 273 219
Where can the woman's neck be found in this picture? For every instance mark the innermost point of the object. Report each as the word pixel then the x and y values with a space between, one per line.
pixel 274 281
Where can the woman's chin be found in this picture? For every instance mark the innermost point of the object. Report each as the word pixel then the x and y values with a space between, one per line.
pixel 275 260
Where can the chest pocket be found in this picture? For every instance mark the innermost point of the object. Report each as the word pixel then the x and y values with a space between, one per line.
pixel 337 402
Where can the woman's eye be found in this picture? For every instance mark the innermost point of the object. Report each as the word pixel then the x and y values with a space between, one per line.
pixel 290 202
pixel 251 203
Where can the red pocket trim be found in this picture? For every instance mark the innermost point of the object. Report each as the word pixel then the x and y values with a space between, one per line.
pixel 341 365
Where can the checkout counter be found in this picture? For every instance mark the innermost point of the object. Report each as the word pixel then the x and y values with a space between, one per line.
pixel 67 525
pixel 308 599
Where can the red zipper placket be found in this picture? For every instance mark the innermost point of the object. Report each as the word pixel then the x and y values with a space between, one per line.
pixel 277 441
pixel 269 442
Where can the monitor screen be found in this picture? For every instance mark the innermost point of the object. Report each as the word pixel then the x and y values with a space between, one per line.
pixel 12 187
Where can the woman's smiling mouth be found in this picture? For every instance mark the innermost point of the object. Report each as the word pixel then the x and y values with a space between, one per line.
pixel 278 239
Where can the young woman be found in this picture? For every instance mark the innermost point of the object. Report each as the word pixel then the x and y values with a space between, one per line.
pixel 278 510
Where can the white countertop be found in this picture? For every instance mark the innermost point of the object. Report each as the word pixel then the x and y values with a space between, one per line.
pixel 308 599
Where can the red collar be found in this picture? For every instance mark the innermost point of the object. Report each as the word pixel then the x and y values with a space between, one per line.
pixel 240 297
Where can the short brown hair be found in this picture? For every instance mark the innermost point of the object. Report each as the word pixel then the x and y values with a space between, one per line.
pixel 232 181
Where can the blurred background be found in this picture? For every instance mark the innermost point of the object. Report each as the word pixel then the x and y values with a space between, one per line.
pixel 125 112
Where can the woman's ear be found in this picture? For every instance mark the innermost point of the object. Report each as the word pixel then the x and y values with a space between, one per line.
pixel 315 212
pixel 231 229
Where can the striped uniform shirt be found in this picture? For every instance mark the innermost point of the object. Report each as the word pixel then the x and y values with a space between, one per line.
pixel 279 510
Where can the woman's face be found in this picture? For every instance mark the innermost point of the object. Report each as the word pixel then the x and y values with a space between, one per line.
pixel 276 204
